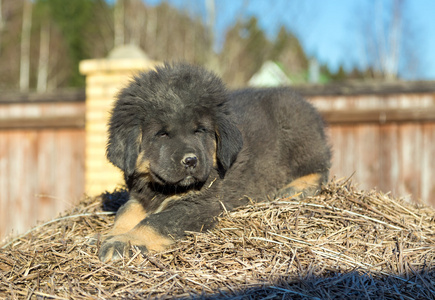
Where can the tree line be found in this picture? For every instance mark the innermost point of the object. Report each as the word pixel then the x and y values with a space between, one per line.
pixel 43 41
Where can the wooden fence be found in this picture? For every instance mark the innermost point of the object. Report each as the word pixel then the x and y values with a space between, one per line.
pixel 42 154
pixel 382 135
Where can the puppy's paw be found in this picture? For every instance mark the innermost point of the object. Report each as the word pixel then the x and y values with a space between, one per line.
pixel 116 247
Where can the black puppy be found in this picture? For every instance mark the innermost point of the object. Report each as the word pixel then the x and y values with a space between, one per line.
pixel 188 147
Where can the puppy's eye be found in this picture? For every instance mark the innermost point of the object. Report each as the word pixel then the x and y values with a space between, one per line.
pixel 200 130
pixel 162 133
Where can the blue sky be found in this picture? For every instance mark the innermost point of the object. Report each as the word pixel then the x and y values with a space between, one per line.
pixel 330 30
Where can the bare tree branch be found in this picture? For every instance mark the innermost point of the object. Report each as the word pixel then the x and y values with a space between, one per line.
pixel 44 51
pixel 25 46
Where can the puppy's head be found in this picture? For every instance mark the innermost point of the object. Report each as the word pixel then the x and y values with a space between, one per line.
pixel 173 125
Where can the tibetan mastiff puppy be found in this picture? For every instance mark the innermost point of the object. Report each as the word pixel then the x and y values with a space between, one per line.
pixel 190 149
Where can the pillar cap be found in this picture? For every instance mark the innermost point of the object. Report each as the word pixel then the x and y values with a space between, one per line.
pixel 127 51
pixel 121 59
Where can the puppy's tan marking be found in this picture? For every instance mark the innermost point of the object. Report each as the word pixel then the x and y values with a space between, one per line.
pixel 128 216
pixel 304 182
pixel 303 186
pixel 165 203
pixel 174 198
pixel 142 164
pixel 214 155
pixel 145 238
pixel 148 237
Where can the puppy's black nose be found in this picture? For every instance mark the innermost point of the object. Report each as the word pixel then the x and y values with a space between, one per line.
pixel 190 161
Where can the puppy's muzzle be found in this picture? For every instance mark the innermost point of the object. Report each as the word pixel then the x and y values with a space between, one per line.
pixel 189 161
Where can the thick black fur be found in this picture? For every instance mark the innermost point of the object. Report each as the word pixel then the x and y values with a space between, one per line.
pixel 189 147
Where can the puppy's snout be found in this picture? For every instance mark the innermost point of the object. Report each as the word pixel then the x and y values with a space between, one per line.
pixel 190 160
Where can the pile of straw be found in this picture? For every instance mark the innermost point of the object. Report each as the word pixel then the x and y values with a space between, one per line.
pixel 343 243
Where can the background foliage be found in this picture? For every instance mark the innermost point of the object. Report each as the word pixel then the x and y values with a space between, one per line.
pixel 43 41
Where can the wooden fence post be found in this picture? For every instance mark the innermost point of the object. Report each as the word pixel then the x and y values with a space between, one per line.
pixel 104 78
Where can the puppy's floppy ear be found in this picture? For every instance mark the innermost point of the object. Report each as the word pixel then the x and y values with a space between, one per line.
pixel 124 141
pixel 229 142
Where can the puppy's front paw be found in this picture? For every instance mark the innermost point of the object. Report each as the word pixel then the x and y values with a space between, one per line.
pixel 116 247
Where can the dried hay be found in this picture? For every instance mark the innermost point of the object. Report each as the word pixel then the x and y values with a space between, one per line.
pixel 343 243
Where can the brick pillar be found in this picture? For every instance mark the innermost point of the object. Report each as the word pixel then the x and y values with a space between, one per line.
pixel 104 78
